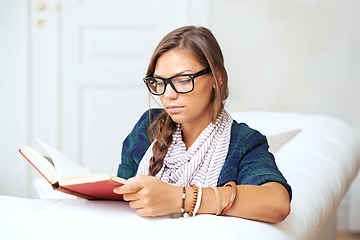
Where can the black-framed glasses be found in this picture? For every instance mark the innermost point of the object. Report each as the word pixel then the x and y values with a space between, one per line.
pixel 183 83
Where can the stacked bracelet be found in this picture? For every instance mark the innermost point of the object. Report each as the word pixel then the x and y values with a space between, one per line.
pixel 218 200
pixel 233 196
pixel 183 200
pixel 192 208
pixel 198 201
pixel 195 205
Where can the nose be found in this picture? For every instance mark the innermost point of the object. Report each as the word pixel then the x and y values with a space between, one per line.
pixel 170 92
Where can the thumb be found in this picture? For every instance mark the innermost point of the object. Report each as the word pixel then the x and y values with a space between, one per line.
pixel 131 186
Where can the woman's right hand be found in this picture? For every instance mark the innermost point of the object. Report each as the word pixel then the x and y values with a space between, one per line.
pixel 150 196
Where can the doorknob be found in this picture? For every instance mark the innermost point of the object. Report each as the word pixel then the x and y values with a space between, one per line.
pixel 41 6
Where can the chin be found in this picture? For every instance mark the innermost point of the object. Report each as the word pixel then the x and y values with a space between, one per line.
pixel 177 118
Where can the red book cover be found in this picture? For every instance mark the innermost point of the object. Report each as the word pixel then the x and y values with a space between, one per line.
pixel 102 190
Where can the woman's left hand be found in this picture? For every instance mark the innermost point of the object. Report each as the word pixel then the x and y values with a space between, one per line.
pixel 151 196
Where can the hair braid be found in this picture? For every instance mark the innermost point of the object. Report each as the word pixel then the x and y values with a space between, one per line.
pixel 164 128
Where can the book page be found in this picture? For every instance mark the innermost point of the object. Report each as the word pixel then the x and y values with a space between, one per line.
pixel 63 165
pixel 40 163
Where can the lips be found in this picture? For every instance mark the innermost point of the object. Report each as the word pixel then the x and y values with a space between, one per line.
pixel 174 109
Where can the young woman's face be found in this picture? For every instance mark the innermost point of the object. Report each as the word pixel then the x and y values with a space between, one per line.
pixel 189 108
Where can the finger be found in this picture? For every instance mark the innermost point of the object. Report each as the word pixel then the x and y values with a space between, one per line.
pixel 129 187
pixel 131 197
pixel 117 190
pixel 143 212
pixel 135 204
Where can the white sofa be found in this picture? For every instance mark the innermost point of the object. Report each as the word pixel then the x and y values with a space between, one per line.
pixel 320 163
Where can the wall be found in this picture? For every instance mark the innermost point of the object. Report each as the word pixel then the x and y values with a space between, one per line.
pixel 13 96
pixel 293 55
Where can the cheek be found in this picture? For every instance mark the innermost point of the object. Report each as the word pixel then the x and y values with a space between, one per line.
pixel 162 100
pixel 203 95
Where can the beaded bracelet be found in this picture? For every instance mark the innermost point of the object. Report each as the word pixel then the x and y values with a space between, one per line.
pixel 218 200
pixel 198 201
pixel 183 200
pixel 194 199
pixel 233 196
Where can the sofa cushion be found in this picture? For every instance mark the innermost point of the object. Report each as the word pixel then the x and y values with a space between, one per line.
pixel 277 141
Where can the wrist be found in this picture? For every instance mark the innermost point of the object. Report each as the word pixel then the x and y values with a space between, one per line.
pixel 177 199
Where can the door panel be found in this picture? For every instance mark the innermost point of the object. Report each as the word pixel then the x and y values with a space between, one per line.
pixel 106 46
pixel 107 116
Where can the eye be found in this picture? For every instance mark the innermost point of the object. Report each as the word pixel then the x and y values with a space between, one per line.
pixel 185 81
pixel 182 80
pixel 159 83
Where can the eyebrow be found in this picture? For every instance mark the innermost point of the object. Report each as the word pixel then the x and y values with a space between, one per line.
pixel 176 74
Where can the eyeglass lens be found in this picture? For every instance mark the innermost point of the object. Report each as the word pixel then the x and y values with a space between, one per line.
pixel 182 84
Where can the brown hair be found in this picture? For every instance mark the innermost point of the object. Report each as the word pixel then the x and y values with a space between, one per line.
pixel 201 44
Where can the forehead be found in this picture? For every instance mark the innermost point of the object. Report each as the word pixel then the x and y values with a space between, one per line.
pixel 174 62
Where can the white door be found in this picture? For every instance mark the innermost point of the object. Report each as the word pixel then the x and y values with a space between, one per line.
pixel 92 88
pixel 71 74
pixel 105 50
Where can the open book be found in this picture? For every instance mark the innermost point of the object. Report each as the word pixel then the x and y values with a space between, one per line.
pixel 66 176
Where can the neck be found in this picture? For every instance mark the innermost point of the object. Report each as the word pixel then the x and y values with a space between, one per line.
pixel 190 132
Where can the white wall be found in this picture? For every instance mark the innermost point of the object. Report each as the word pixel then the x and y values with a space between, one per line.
pixel 299 55
pixel 14 82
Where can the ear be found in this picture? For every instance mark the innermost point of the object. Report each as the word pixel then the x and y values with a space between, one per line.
pixel 218 77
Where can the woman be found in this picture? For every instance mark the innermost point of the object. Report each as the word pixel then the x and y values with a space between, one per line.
pixel 190 157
